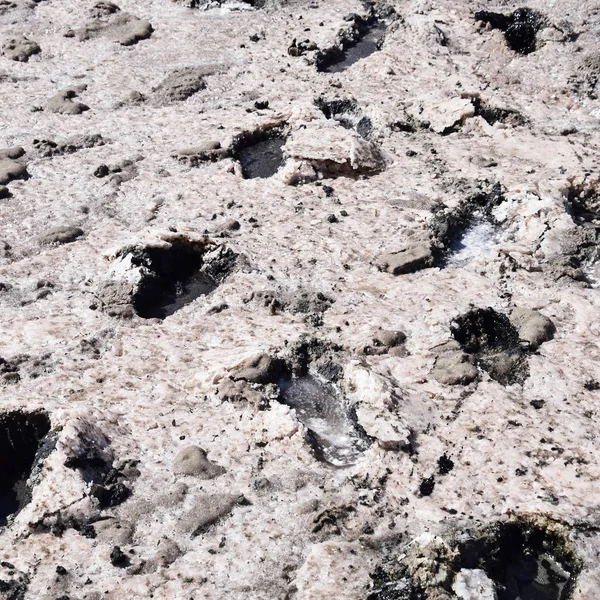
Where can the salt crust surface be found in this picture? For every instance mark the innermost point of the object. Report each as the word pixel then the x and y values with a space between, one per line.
pixel 153 382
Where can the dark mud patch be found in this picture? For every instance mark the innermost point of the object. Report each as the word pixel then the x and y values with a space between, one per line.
pixel 525 560
pixel 464 232
pixel 176 276
pixel 109 484
pixel 260 153
pixel 333 432
pixel 347 114
pixel 520 28
pixel 24 444
pixel 583 204
pixel 363 39
pixel 494 114
pixel 170 277
pixel 493 341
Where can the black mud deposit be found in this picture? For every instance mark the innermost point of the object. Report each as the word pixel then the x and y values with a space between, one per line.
pixel 364 41
pixel 491 338
pixel 520 27
pixel 259 153
pixel 332 429
pixel 175 276
pixel 21 448
pixel 525 561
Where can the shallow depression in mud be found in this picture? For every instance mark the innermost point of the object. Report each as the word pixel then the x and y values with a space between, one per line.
pixel 177 295
pixel 21 437
pixel 365 46
pixel 175 275
pixel 323 410
pixel 524 561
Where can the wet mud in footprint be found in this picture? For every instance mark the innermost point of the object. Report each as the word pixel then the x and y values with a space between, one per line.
pixel 323 410
pixel 473 241
pixel 368 43
pixel 263 159
pixel 260 153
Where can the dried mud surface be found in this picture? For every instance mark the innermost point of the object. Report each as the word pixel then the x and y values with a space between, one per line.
pixel 424 247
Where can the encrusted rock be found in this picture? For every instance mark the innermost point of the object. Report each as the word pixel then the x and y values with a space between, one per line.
pixel 63 103
pixel 329 151
pixel 258 369
pixel 455 368
pixel 192 461
pixel 411 259
pixel 60 235
pixel 20 48
pixel 376 406
pixel 533 327
pixel 474 584
pixel 180 84
pixel 446 116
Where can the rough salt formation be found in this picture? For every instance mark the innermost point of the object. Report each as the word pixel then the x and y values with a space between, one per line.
pixel 284 315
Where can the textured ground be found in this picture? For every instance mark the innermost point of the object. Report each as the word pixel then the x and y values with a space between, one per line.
pixel 278 523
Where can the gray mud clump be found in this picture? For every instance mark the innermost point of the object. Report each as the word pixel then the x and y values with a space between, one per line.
pixel 12 165
pixel 60 235
pixel 21 437
pixel 520 27
pixel 46 148
pixel 209 151
pixel 259 153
